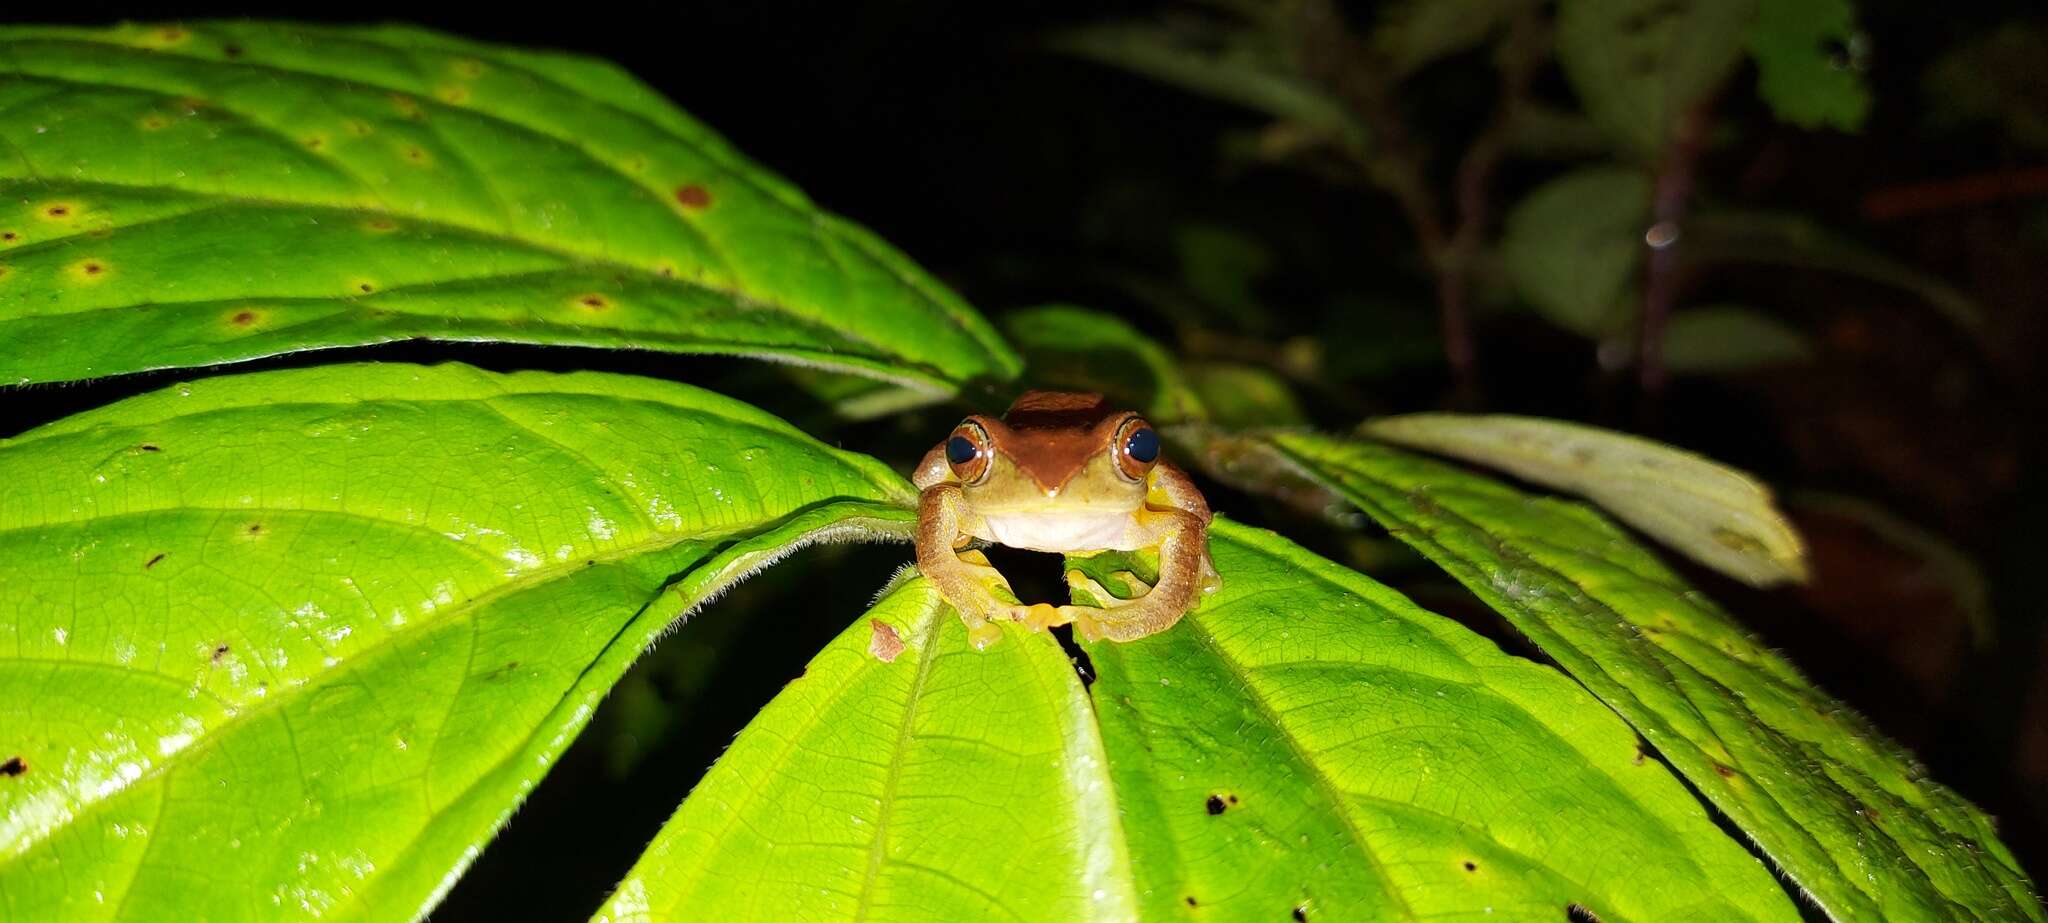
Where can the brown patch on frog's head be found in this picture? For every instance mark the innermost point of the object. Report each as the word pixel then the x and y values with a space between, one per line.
pixel 1052 435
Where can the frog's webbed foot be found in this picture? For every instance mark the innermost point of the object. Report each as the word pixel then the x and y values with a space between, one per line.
pixel 1183 582
pixel 965 578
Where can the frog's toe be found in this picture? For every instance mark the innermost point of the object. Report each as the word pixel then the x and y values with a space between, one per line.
pixel 1041 616
pixel 1086 625
pixel 982 635
pixel 1137 588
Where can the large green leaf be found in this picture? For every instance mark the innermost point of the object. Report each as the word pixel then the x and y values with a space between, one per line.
pixel 1638 65
pixel 1844 813
pixel 947 784
pixel 1715 514
pixel 187 195
pixel 1307 739
pixel 297 643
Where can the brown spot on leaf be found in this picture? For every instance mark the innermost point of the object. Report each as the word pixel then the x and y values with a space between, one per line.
pixel 693 197
pixel 365 287
pixel 1191 901
pixel 593 302
pixel 153 561
pixel 316 142
pixel 1724 771
pixel 9 236
pixel 416 154
pixel 1215 805
pixel 255 528
pixel 885 643
pixel 219 652
pixel 13 767
pixel 1471 866
pixel 154 122
pixel 57 211
pixel 150 447
pixel 381 224
pixel 244 318
pixel 232 51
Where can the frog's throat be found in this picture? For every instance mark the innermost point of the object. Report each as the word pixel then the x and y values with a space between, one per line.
pixel 1059 531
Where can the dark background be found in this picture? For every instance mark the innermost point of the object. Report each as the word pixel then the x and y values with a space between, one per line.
pixel 1021 176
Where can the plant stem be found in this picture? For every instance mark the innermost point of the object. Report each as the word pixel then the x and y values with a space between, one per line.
pixel 1660 285
pixel 1941 194
pixel 1519 56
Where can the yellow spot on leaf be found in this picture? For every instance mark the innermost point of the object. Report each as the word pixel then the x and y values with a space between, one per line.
pixel 247 318
pixel 362 286
pixel 57 211
pixel 406 106
pixel 165 37
pixel 89 270
pixel 155 122
pixel 453 94
pixel 468 68
pixel 414 154
pixel 593 302
pixel 381 225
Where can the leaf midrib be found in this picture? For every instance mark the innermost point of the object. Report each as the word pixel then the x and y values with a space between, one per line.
pixel 878 846
pixel 1324 785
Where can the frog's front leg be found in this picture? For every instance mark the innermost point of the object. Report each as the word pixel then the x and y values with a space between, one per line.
pixel 1181 532
pixel 964 580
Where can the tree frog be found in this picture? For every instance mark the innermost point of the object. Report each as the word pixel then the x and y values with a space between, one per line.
pixel 1066 473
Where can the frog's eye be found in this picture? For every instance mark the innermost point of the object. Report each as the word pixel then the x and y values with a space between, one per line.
pixel 1137 449
pixel 967 451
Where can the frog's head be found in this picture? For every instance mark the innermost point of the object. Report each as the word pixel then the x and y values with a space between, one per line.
pixel 1054 453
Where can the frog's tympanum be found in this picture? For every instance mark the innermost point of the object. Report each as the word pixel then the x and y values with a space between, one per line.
pixel 1064 473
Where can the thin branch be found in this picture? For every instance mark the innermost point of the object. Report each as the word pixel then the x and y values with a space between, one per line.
pixel 1943 194
pixel 1673 194
pixel 1520 54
